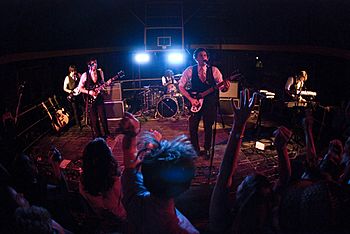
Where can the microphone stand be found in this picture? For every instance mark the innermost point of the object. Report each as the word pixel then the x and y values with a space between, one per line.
pixel 213 138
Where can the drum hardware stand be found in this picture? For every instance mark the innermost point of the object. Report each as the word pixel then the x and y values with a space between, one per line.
pixel 213 138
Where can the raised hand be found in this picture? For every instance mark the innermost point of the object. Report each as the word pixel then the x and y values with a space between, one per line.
pixel 308 120
pixel 242 113
pixel 282 136
pixel 130 125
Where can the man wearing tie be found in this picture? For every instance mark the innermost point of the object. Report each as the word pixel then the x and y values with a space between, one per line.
pixel 200 78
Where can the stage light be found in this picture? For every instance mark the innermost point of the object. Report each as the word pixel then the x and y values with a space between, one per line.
pixel 175 58
pixel 142 58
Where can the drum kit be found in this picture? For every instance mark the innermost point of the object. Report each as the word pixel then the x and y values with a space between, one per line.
pixel 163 102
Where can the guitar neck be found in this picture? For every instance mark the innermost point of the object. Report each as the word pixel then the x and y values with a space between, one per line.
pixel 212 89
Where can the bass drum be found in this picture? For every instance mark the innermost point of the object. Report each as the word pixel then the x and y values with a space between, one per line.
pixel 167 106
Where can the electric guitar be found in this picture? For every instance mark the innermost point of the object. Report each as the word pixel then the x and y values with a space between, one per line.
pixel 98 88
pixel 201 95
pixel 75 92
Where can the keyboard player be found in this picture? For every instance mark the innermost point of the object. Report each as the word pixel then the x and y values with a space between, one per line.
pixel 295 85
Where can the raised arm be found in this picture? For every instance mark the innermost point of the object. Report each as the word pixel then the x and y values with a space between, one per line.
pixel 282 136
pixel 130 128
pixel 311 156
pixel 219 205
pixel 65 85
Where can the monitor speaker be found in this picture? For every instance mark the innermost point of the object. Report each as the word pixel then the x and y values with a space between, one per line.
pixel 114 110
pixel 232 91
pixel 114 93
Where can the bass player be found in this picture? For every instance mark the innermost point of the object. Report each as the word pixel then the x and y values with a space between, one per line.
pixel 96 110
pixel 199 78
pixel 70 86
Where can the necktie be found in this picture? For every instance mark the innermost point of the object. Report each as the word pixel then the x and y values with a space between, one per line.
pixel 201 74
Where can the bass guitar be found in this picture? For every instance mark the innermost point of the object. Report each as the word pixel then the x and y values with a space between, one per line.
pixel 200 95
pixel 75 92
pixel 99 88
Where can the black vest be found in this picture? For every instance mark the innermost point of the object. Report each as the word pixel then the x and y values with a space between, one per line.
pixel 90 84
pixel 72 84
pixel 196 83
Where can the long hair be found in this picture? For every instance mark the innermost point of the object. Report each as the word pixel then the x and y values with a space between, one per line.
pixel 167 166
pixel 99 167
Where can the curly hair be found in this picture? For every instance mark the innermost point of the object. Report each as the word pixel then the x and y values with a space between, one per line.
pixel 167 166
pixel 197 51
pixel 33 220
pixel 99 167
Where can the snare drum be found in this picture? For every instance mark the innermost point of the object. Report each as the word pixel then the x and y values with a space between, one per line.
pixel 167 106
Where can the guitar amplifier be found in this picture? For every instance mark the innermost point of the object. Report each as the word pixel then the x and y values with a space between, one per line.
pixel 232 91
pixel 226 107
pixel 114 110
pixel 114 92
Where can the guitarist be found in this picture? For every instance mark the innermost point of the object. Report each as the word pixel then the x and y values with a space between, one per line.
pixel 89 81
pixel 70 86
pixel 200 78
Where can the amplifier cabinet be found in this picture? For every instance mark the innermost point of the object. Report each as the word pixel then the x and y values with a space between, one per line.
pixel 226 106
pixel 232 92
pixel 114 93
pixel 114 110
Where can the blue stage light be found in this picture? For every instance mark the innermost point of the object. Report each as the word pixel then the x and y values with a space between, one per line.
pixel 142 58
pixel 175 58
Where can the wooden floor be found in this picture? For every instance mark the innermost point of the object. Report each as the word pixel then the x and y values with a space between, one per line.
pixel 195 202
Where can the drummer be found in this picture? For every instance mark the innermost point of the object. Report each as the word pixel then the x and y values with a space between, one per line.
pixel 169 82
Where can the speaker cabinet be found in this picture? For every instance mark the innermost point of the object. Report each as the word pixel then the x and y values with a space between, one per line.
pixel 114 110
pixel 114 93
pixel 226 106
pixel 232 91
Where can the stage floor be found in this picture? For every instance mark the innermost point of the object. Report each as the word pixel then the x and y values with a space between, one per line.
pixel 195 202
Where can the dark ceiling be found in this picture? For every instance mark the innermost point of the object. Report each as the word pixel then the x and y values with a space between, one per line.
pixel 41 25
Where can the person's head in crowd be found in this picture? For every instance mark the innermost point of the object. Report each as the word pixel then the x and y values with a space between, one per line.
pixel 99 167
pixel 330 163
pixel 167 166
pixel 253 206
pixel 33 219
pixel 26 177
pixel 314 208
pixel 346 153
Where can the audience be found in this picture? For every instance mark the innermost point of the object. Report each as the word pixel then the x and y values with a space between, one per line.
pixel 100 181
pixel 311 204
pixel 159 172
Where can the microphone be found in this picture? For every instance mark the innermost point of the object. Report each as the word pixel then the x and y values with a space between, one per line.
pixel 205 61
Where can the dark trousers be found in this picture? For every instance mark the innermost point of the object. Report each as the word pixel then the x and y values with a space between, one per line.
pixel 208 112
pixel 97 111
pixel 74 105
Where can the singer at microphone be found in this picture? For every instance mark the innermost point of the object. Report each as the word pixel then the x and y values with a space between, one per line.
pixel 205 61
